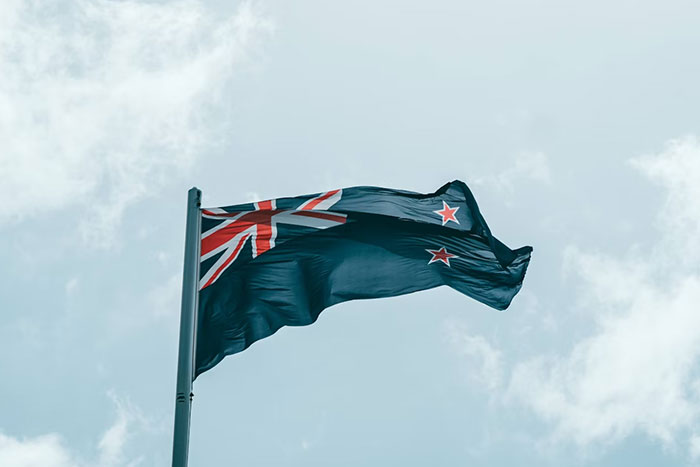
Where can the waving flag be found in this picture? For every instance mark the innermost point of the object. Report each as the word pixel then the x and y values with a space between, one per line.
pixel 281 262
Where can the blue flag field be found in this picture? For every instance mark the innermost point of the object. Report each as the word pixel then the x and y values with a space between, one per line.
pixel 281 262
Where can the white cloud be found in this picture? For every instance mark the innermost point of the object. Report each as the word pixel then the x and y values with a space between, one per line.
pixel 164 299
pixel 527 166
pixel 112 444
pixel 695 447
pixel 72 285
pixel 312 439
pixel 637 371
pixel 42 451
pixel 101 102
pixel 485 367
pixel 678 171
pixel 50 450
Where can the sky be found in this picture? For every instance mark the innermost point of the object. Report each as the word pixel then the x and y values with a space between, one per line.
pixel 576 125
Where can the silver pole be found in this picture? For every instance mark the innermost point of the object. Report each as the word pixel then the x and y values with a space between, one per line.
pixel 188 314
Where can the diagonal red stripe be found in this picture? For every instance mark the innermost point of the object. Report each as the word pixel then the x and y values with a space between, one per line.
pixel 233 256
pixel 315 202
pixel 219 214
pixel 221 236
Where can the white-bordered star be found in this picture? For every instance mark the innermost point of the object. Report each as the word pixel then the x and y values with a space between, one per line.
pixel 441 255
pixel 447 213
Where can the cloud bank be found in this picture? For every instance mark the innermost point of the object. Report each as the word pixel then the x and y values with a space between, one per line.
pixel 50 450
pixel 638 371
pixel 101 101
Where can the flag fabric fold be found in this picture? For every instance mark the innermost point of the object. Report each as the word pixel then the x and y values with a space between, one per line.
pixel 281 262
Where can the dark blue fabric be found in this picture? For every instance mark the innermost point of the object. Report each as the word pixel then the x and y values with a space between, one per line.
pixel 380 252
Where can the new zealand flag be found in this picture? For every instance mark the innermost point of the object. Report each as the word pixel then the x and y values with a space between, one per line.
pixel 281 262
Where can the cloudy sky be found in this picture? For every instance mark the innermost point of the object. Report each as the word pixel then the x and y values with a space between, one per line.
pixel 576 124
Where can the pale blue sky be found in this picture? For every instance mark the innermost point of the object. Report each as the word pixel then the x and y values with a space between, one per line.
pixel 574 123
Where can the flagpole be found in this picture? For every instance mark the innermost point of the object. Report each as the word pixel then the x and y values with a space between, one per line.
pixel 188 314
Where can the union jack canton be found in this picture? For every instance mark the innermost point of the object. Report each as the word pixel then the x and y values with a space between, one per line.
pixel 260 226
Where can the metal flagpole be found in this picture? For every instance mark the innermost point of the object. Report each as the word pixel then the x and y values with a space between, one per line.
pixel 185 364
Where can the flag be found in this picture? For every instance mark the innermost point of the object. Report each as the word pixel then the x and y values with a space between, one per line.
pixel 281 262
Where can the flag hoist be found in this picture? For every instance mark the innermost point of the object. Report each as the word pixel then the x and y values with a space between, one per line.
pixel 188 314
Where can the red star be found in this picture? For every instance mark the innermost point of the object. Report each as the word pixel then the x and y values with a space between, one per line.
pixel 447 213
pixel 441 255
